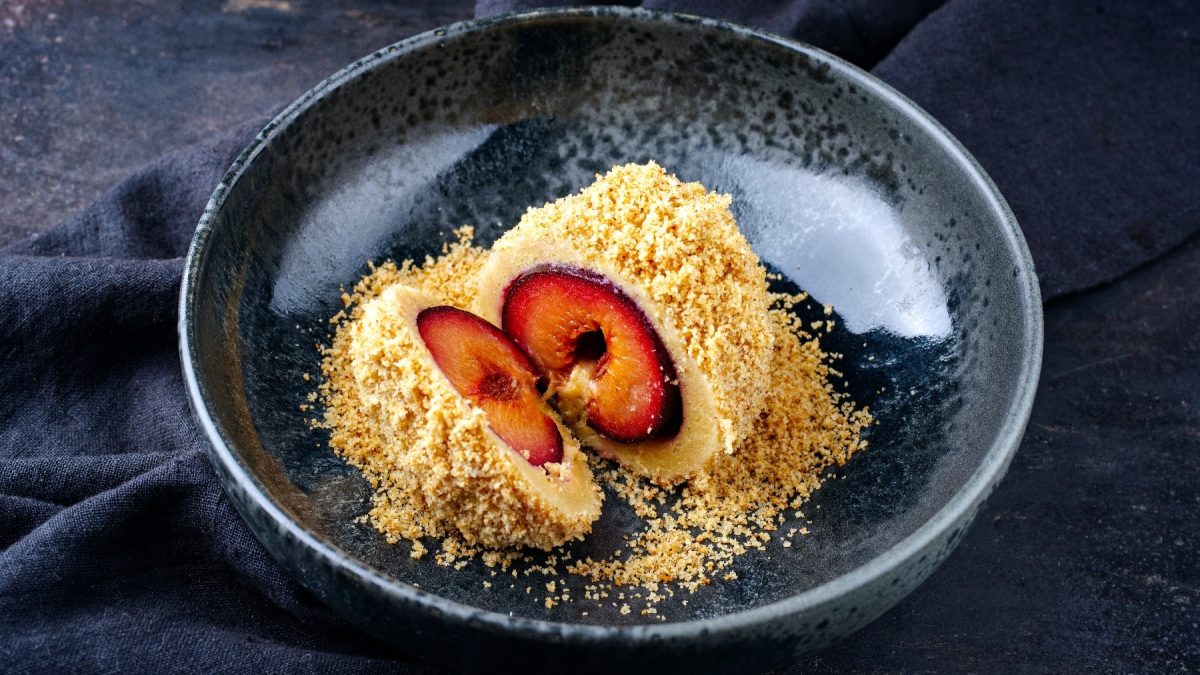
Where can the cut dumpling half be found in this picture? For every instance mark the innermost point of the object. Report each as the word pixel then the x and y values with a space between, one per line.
pixel 644 307
pixel 467 432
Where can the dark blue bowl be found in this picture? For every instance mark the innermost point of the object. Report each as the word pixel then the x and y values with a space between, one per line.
pixel 842 185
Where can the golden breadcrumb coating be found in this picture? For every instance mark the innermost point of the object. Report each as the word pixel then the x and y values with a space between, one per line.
pixel 436 466
pixel 676 250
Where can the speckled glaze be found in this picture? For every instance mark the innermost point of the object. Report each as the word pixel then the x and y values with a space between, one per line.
pixel 842 186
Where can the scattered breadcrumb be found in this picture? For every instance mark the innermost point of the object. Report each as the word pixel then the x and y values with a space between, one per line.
pixel 727 511
pixel 692 534
pixel 418 550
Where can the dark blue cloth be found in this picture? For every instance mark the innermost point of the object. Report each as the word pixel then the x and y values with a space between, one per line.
pixel 118 549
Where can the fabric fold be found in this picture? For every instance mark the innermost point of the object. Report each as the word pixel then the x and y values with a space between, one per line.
pixel 1082 113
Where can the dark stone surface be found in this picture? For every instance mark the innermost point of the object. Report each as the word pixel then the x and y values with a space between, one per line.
pixel 1086 556
pixel 92 90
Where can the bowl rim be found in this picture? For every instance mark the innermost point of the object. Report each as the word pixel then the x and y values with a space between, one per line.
pixel 977 487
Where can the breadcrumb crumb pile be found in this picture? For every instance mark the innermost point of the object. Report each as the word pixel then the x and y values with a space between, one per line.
pixel 737 504
pixel 691 534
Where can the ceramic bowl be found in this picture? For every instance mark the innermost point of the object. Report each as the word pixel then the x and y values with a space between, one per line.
pixel 842 186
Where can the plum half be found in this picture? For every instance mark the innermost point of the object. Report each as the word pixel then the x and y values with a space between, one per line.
pixel 484 365
pixel 579 327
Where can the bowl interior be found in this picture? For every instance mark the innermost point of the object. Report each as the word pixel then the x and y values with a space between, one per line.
pixel 839 188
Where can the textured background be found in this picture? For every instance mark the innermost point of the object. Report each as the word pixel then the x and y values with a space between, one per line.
pixel 1085 558
pixel 91 90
